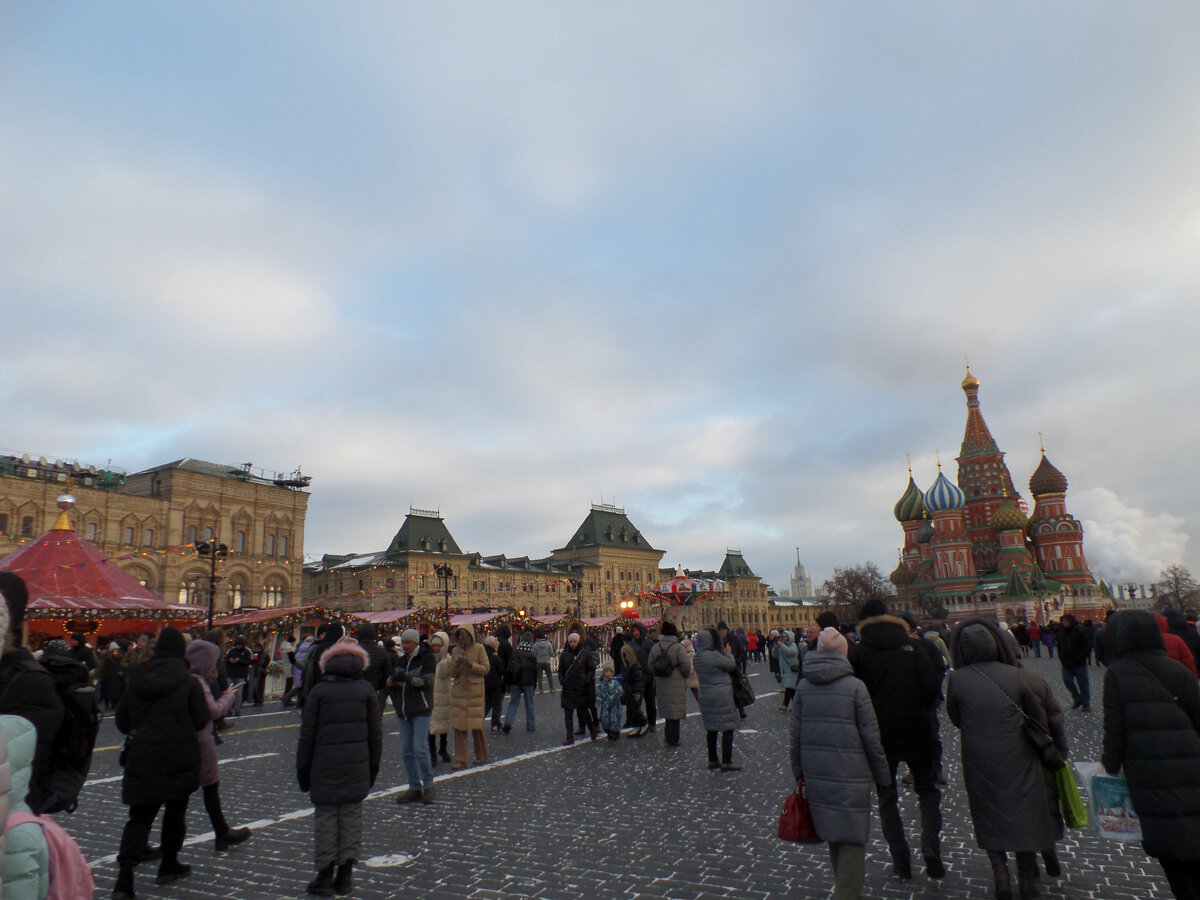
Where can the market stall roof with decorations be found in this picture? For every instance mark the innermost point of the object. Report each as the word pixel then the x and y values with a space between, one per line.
pixel 74 586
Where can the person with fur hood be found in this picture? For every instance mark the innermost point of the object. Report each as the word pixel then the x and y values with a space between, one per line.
pixel 337 760
pixel 469 666
pixel 577 673
pixel 905 686
pixel 989 697
pixel 835 748
pixel 202 660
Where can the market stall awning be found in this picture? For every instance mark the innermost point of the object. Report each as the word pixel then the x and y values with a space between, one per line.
pixel 254 616
pixel 474 619
pixel 68 577
pixel 385 616
pixel 549 620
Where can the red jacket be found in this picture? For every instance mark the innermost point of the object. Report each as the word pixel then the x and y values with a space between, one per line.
pixel 1177 648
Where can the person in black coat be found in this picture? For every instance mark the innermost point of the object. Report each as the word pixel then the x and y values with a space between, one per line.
pixel 161 711
pixel 327 635
pixel 1152 729
pixel 379 662
pixel 1074 648
pixel 905 685
pixel 576 674
pixel 27 689
pixel 337 760
pixel 642 645
pixel 411 687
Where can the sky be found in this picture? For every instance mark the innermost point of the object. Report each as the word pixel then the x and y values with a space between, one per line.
pixel 720 264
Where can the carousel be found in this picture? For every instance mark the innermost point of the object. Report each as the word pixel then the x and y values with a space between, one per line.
pixel 75 587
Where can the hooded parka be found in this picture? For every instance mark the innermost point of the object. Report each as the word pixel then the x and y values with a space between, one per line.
pixel 341 732
pixel 787 655
pixel 468 667
pixel 835 746
pixel 202 658
pixel 1007 789
pixel 162 710
pixel 441 720
pixel 671 690
pixel 1152 728
pixel 717 709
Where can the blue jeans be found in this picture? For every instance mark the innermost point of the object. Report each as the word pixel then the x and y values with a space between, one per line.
pixel 414 747
pixel 515 692
pixel 1076 680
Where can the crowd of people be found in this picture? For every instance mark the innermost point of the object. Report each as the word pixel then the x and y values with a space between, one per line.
pixel 862 703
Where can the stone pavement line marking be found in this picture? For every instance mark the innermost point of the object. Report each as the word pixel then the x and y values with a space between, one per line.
pixel 377 795
pixel 227 736
pixel 219 762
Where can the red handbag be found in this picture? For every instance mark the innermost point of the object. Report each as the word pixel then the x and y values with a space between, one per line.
pixel 796 822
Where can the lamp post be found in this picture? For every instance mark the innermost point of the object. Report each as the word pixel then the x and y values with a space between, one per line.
pixel 445 573
pixel 577 586
pixel 213 550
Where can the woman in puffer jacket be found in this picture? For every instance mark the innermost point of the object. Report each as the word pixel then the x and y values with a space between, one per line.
pixel 337 760
pixel 440 721
pixel 469 667
pixel 714 662
pixel 202 660
pixel 835 748
pixel 25 872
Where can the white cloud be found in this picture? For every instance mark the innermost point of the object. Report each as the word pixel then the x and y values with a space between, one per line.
pixel 1125 544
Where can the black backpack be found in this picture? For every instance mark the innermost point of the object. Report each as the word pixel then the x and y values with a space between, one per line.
pixel 75 739
pixel 662 665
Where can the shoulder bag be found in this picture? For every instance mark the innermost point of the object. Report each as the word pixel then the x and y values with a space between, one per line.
pixel 1042 740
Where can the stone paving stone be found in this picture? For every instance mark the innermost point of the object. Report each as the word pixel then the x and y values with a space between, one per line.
pixel 630 819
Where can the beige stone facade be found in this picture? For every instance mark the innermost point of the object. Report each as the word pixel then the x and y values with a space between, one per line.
pixel 148 523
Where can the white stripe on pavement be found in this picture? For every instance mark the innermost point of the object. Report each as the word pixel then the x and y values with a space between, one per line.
pixel 222 762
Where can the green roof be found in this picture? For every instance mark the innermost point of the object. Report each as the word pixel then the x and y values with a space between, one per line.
pixel 607 526
pixel 423 534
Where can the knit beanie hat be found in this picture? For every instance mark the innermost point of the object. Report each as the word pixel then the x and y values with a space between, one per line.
pixel 411 634
pixel 832 639
pixel 170 643
pixel 492 641
pixel 828 619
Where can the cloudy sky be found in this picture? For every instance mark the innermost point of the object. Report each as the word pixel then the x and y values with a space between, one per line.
pixel 717 263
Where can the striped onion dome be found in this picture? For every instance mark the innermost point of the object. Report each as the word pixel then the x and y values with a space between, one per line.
pixel 910 507
pixel 1008 516
pixel 1047 479
pixel 944 494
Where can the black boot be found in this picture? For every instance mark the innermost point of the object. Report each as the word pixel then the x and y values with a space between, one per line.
pixel 171 869
pixel 344 883
pixel 123 889
pixel 1053 866
pixel 323 883
pixel 1000 876
pixel 232 837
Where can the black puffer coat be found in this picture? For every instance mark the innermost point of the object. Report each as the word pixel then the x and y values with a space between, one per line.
pixel 1152 728
pixel 412 683
pixel 341 732
pixel 576 674
pixel 161 711
pixel 904 682
pixel 27 690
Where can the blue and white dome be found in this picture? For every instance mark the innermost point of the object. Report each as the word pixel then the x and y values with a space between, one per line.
pixel 944 494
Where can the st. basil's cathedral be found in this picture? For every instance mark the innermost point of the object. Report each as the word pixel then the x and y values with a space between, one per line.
pixel 972 549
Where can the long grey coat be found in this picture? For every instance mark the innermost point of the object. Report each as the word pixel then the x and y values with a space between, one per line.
pixel 717 708
pixel 1007 790
pixel 788 655
pixel 835 746
pixel 672 690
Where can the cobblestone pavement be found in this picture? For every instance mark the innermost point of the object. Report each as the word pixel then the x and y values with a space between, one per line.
pixel 633 819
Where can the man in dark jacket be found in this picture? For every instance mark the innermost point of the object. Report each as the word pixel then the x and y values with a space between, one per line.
pixel 27 689
pixel 378 664
pixel 237 667
pixel 1152 729
pixel 522 679
pixel 161 711
pixel 904 685
pixel 411 687
pixel 1073 651
pixel 642 646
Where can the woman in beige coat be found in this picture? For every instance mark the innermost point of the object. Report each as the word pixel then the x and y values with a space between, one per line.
pixel 468 666
pixel 439 720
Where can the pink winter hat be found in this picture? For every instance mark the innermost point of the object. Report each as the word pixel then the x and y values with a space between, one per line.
pixel 831 639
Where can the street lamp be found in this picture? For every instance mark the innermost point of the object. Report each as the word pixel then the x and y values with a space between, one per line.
pixel 213 550
pixel 577 587
pixel 445 573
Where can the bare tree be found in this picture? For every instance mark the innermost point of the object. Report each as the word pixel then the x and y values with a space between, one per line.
pixel 851 587
pixel 1178 589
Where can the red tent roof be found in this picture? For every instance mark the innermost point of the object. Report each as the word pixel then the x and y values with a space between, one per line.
pixel 66 573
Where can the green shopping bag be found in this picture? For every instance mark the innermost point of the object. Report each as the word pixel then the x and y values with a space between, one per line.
pixel 1073 809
